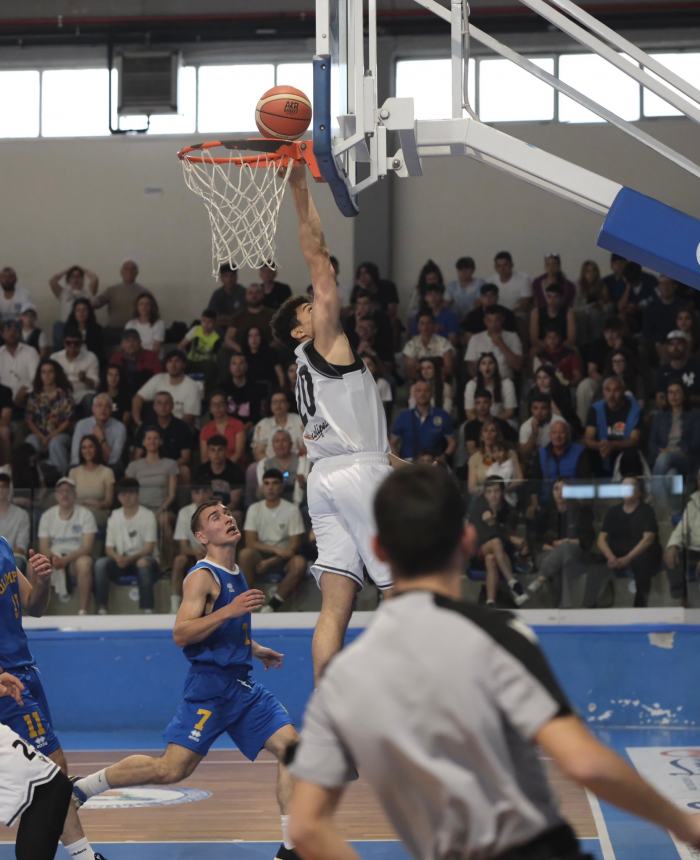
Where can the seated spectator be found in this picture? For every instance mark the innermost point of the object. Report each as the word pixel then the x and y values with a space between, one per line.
pixel 592 302
pixel 376 368
pixel 67 536
pixel 565 360
pixel 189 550
pixel 614 284
pixel 274 291
pixel 471 429
pixel 613 425
pixel 94 482
pixel 680 366
pixel 147 322
pixel 280 419
pixel 119 300
pixel 659 315
pixel 12 297
pixel 682 556
pixel 225 478
pixel 423 428
pixel 674 440
pixel 508 470
pixel 488 378
pixel 535 432
pixel 130 549
pixel 82 323
pixel 175 434
pixel 157 477
pixel 553 276
pixel 367 320
pixel 556 314
pixel 686 321
pixel 18 363
pixel 490 443
pixel 622 364
pixel 293 468
pixel 201 343
pixel 637 296
pixel 14 522
pixel 382 291
pixel 505 346
pixel 187 402
pixel 113 384
pixel 222 424
pixel 514 287
pixel 547 382
pixel 430 371
pixel 5 424
pixel 273 536
pixel 81 367
pixel 49 414
pixel 30 333
pixel 463 293
pixel 228 299
pixel 428 344
pixel 491 516
pixel 596 359
pixel 109 432
pixel 263 362
pixel 629 539
pixel 474 322
pixel 73 287
pixel 244 397
pixel 560 458
pixel 445 319
pixel 137 365
pixel 253 313
pixel 290 385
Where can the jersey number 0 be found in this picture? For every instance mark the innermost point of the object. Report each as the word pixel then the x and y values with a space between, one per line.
pixel 305 395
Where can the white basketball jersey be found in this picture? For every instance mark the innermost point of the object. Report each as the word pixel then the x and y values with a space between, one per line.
pixel 22 769
pixel 340 407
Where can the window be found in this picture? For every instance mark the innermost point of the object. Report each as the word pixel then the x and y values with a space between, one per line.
pixel 19 104
pixel 429 83
pixel 183 122
pixel 299 75
pixel 74 103
pixel 228 95
pixel 599 80
pixel 686 66
pixel 508 93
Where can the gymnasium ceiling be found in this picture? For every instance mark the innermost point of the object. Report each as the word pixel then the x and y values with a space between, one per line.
pixel 75 22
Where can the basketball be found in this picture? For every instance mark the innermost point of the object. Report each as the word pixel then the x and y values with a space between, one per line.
pixel 283 112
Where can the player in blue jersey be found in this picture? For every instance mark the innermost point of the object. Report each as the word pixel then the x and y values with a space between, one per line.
pixel 213 626
pixel 31 720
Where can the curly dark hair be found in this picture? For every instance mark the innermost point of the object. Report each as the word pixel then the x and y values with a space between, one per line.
pixel 60 377
pixel 285 320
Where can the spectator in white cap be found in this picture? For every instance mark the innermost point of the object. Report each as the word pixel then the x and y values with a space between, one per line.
pixel 680 365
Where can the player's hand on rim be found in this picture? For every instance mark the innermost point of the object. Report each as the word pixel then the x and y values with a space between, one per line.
pixel 249 601
pixel 41 566
pixel 11 686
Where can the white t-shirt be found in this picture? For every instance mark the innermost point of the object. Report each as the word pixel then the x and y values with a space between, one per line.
pixel 183 530
pixel 85 362
pixel 437 346
pixel 303 468
pixel 518 287
pixel 186 396
pixel 508 397
pixel 266 428
pixel 65 536
pixel 10 308
pixel 274 526
pixel 18 370
pixel 479 343
pixel 150 332
pixel 14 527
pixel 129 536
pixel 525 432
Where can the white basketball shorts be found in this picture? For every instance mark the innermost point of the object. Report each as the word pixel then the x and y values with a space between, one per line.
pixel 341 495
pixel 22 769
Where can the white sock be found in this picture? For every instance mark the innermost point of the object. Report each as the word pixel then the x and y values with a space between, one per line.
pixel 285 832
pixel 81 850
pixel 94 784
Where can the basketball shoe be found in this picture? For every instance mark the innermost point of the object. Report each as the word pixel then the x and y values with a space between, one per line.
pixel 286 854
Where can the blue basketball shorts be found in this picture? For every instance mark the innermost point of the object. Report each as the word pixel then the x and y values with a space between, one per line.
pixel 32 720
pixel 214 704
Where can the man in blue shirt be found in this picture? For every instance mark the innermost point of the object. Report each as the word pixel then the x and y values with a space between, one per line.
pixel 423 428
pixel 446 320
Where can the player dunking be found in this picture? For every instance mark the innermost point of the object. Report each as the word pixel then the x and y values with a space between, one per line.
pixel 31 719
pixel 344 432
pixel 213 627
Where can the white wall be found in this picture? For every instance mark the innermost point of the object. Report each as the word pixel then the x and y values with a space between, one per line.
pixel 461 207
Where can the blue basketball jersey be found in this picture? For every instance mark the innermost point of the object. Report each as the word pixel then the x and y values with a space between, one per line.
pixel 14 648
pixel 230 646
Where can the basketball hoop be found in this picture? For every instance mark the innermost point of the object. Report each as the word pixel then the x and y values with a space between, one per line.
pixel 243 193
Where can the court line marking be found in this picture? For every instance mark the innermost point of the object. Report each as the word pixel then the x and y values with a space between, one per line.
pixel 601 826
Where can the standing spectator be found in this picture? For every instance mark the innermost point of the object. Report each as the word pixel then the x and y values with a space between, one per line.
pixel 424 428
pixel 49 414
pixel 553 275
pixel 81 367
pixel 535 432
pixel 175 434
pixel 428 344
pixel 130 547
pixel 94 482
pixel 515 289
pixel 109 432
pixel 274 291
pixel 490 442
pixel 147 322
pixel 263 362
pixel 554 313
pixel 612 425
pixel 293 468
pixel 119 299
pixel 222 424
pixel 225 478
pixel 254 313
pixel 30 333
pixel 114 386
pixel 629 539
pixel 189 550
pixel 488 297
pixel 680 366
pixel 674 440
pixel 14 522
pixel 445 319
pixel 273 534
pixel 201 343
pixel 430 371
pixel 382 291
pixel 614 283
pixel 504 345
pixel 682 556
pixel 18 363
pixel 12 297
pixel 659 315
pixel 67 536
pixel 463 293
pixel 565 360
pixel 280 419
pixel 227 299
pixel 137 365
pixel 244 397
pixel 187 403
pixel 82 323
pixel 559 458
pixel 488 378
pixel 73 287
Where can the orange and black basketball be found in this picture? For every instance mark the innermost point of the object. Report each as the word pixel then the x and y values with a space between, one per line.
pixel 283 113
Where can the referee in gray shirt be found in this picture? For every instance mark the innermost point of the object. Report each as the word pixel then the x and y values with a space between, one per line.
pixel 442 705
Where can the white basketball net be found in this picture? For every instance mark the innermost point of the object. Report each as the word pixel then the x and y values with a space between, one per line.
pixel 243 201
